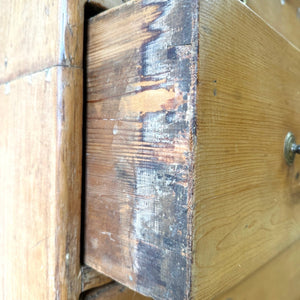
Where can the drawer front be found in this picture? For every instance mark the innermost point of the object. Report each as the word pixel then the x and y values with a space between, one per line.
pixel 247 198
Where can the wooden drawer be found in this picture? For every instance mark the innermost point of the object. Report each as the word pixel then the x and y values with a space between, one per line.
pixel 187 189
pixel 188 195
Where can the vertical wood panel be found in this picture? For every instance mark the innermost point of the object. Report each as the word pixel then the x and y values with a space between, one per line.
pixel 36 35
pixel 40 182
pixel 40 148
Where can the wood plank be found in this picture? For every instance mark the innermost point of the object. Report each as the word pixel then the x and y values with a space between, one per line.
pixel 40 148
pixel 285 18
pixel 35 35
pixel 278 279
pixel 141 80
pixel 246 197
pixel 90 278
pixel 40 173
pixel 113 291
pixel 188 192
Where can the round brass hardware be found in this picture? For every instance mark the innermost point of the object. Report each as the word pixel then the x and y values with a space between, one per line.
pixel 290 148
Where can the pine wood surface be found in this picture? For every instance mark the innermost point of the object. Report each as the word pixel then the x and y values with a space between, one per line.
pixel 246 197
pixel 285 18
pixel 148 211
pixel 40 182
pixel 36 35
pixel 41 133
pixel 277 280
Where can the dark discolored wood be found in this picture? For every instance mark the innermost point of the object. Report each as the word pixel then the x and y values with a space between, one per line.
pixel 90 279
pixel 141 89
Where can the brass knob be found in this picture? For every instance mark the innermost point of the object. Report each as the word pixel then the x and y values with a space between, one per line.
pixel 290 148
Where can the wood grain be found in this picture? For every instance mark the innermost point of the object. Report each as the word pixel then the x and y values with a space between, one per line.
pixel 35 35
pixel 40 181
pixel 113 291
pixel 278 279
pixel 40 148
pixel 141 82
pixel 90 279
pixel 285 18
pixel 246 197
pixel 188 192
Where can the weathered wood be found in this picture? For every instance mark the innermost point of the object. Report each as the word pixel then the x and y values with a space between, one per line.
pixel 285 18
pixel 113 291
pixel 90 278
pixel 141 83
pixel 187 189
pixel 278 279
pixel 36 35
pixel 40 148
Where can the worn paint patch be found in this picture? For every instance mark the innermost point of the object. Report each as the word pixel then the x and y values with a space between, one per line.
pixel 149 101
pixel 162 215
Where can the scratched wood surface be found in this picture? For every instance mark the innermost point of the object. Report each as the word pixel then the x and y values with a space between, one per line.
pixel 40 183
pixel 283 16
pixel 141 85
pixel 278 279
pixel 40 148
pixel 159 190
pixel 246 198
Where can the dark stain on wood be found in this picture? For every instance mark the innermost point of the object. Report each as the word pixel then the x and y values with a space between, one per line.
pixel 141 122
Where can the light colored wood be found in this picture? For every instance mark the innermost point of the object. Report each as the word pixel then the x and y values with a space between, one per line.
pixel 285 18
pixel 35 35
pixel 277 280
pixel 90 278
pixel 40 182
pixel 40 148
pixel 246 198
pixel 114 291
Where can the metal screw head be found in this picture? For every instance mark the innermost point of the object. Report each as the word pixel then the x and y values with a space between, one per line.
pixel 289 148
